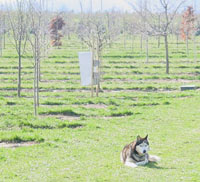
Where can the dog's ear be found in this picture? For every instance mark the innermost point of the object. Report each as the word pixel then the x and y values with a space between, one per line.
pixel 138 138
pixel 146 137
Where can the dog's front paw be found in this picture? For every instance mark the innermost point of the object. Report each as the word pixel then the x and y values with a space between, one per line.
pixel 130 164
pixel 153 158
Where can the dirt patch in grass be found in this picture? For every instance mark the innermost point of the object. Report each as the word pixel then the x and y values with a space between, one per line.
pixel 27 90
pixel 61 117
pixel 150 80
pixel 172 81
pixel 55 81
pixel 112 117
pixel 15 145
pixel 68 118
pixel 140 90
pixel 96 106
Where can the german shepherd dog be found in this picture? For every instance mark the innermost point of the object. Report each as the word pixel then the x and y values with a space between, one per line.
pixel 136 153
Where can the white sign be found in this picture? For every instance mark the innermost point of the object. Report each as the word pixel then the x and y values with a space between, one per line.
pixel 85 62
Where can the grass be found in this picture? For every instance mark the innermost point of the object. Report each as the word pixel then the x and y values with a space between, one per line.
pixel 80 138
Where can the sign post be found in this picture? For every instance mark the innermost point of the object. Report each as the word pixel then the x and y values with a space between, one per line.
pixel 89 70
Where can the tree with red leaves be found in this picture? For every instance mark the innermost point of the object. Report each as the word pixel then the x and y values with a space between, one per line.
pixel 56 25
pixel 187 25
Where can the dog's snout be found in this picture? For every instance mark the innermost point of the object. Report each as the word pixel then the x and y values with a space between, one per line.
pixel 144 151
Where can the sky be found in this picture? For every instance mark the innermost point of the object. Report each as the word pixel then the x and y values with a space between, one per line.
pixel 96 5
pixel 122 5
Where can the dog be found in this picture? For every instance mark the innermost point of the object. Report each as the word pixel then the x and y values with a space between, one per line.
pixel 136 153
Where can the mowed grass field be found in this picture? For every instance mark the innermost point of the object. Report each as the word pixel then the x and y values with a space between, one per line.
pixel 80 138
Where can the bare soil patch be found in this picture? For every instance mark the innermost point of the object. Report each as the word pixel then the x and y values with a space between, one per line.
pixel 96 106
pixel 15 145
pixel 62 117
pixel 151 80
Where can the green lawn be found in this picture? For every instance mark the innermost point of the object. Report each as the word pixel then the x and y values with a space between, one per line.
pixel 80 138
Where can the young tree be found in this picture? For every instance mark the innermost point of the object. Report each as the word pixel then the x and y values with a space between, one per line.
pixel 132 29
pixel 141 9
pixel 92 31
pixel 176 29
pixel 4 27
pixel 19 22
pixel 95 33
pixel 166 12
pixel 124 29
pixel 56 25
pixel 112 30
pixel 165 27
pixel 187 26
pixel 70 24
pixel 38 28
pixel 2 32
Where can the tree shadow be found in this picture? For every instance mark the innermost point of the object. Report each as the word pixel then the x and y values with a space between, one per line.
pixel 75 125
pixel 66 112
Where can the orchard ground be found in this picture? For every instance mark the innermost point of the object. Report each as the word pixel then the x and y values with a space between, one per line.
pixel 79 138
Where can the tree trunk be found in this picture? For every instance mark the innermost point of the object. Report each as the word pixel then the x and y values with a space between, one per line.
pixel 109 40
pixel 195 48
pixel 158 41
pixel 34 88
pixel 159 35
pixel 39 70
pixel 4 33
pixel 132 43
pixel 124 32
pixel 19 72
pixel 124 40
pixel 177 41
pixel 4 40
pixel 187 46
pixel 35 105
pixel 38 75
pixel 147 49
pixel 141 43
pixel 1 46
pixel 167 53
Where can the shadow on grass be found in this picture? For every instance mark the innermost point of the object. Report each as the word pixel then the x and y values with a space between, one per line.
pixel 53 103
pixel 19 139
pixel 59 126
pixel 121 113
pixel 154 165
pixel 11 103
pixel 67 112
pixel 75 125
pixel 35 126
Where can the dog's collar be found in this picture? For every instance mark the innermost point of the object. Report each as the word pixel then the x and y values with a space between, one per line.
pixel 138 155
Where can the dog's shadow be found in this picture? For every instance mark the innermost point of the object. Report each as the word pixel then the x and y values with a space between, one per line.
pixel 154 165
